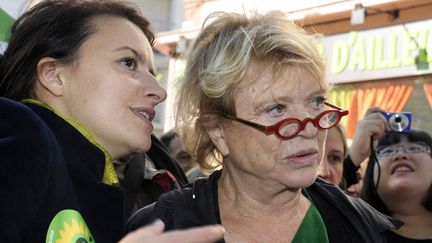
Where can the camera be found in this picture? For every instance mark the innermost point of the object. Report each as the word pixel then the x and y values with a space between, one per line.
pixel 399 121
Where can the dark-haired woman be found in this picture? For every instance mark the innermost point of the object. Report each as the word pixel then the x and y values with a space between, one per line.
pixel 84 71
pixel 401 186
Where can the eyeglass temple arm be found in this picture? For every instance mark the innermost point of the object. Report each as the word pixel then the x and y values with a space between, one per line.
pixel 337 108
pixel 258 126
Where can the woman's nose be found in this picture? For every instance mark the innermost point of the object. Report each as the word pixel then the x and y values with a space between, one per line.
pixel 155 91
pixel 309 128
pixel 401 153
pixel 324 170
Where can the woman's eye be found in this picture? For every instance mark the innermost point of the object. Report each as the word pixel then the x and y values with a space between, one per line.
pixel 130 63
pixel 335 158
pixel 387 151
pixel 276 110
pixel 318 102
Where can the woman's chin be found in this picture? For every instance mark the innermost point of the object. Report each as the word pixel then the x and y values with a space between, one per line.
pixel 141 148
pixel 301 181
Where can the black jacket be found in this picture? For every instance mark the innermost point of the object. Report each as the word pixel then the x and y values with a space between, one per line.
pixel 140 191
pixel 50 169
pixel 347 219
pixel 51 173
pixel 34 181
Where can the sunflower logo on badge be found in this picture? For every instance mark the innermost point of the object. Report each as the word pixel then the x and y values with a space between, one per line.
pixel 68 226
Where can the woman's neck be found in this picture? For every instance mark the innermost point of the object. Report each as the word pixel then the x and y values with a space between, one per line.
pixel 252 198
pixel 417 222
pixel 255 211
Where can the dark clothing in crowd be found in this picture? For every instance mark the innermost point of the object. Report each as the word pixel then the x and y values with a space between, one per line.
pixel 347 219
pixel 350 172
pixel 61 170
pixel 34 181
pixel 396 238
pixel 160 156
pixel 52 176
pixel 141 191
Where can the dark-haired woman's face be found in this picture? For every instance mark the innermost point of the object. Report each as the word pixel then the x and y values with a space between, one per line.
pixel 112 90
pixel 406 169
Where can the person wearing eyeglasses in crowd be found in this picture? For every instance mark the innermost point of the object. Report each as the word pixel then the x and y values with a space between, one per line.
pixel 78 91
pixel 398 182
pixel 254 91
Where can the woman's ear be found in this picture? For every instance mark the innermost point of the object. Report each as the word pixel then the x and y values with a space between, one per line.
pixel 48 76
pixel 217 136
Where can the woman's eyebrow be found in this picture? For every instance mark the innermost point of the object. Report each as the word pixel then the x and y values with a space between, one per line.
pixel 135 53
pixel 316 93
pixel 137 56
pixel 312 94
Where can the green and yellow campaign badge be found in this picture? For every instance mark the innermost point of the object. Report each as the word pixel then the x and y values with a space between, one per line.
pixel 68 226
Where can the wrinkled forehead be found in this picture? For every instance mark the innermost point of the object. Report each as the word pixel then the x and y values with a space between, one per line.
pixel 268 83
pixel 272 74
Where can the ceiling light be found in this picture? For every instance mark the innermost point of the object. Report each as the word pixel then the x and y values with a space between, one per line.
pixel 358 14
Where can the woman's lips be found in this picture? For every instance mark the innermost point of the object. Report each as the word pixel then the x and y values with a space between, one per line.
pixel 146 114
pixel 304 157
pixel 401 168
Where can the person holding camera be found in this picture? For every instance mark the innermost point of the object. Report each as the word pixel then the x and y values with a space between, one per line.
pixel 398 182
pixel 371 127
pixel 398 177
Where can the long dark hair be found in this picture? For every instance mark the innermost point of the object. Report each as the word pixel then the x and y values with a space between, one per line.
pixel 369 190
pixel 57 29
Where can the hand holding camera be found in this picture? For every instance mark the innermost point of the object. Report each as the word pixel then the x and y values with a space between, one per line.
pixel 374 125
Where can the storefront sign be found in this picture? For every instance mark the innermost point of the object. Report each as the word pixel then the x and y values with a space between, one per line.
pixel 378 53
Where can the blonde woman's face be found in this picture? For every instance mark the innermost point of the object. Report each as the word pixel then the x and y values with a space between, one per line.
pixel 112 90
pixel 265 158
pixel 331 167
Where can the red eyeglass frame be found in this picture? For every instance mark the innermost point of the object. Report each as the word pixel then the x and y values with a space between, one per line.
pixel 274 129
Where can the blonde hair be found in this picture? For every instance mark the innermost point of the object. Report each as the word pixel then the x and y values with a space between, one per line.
pixel 218 61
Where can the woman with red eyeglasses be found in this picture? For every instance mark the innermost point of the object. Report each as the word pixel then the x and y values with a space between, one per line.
pixel 398 182
pixel 254 93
